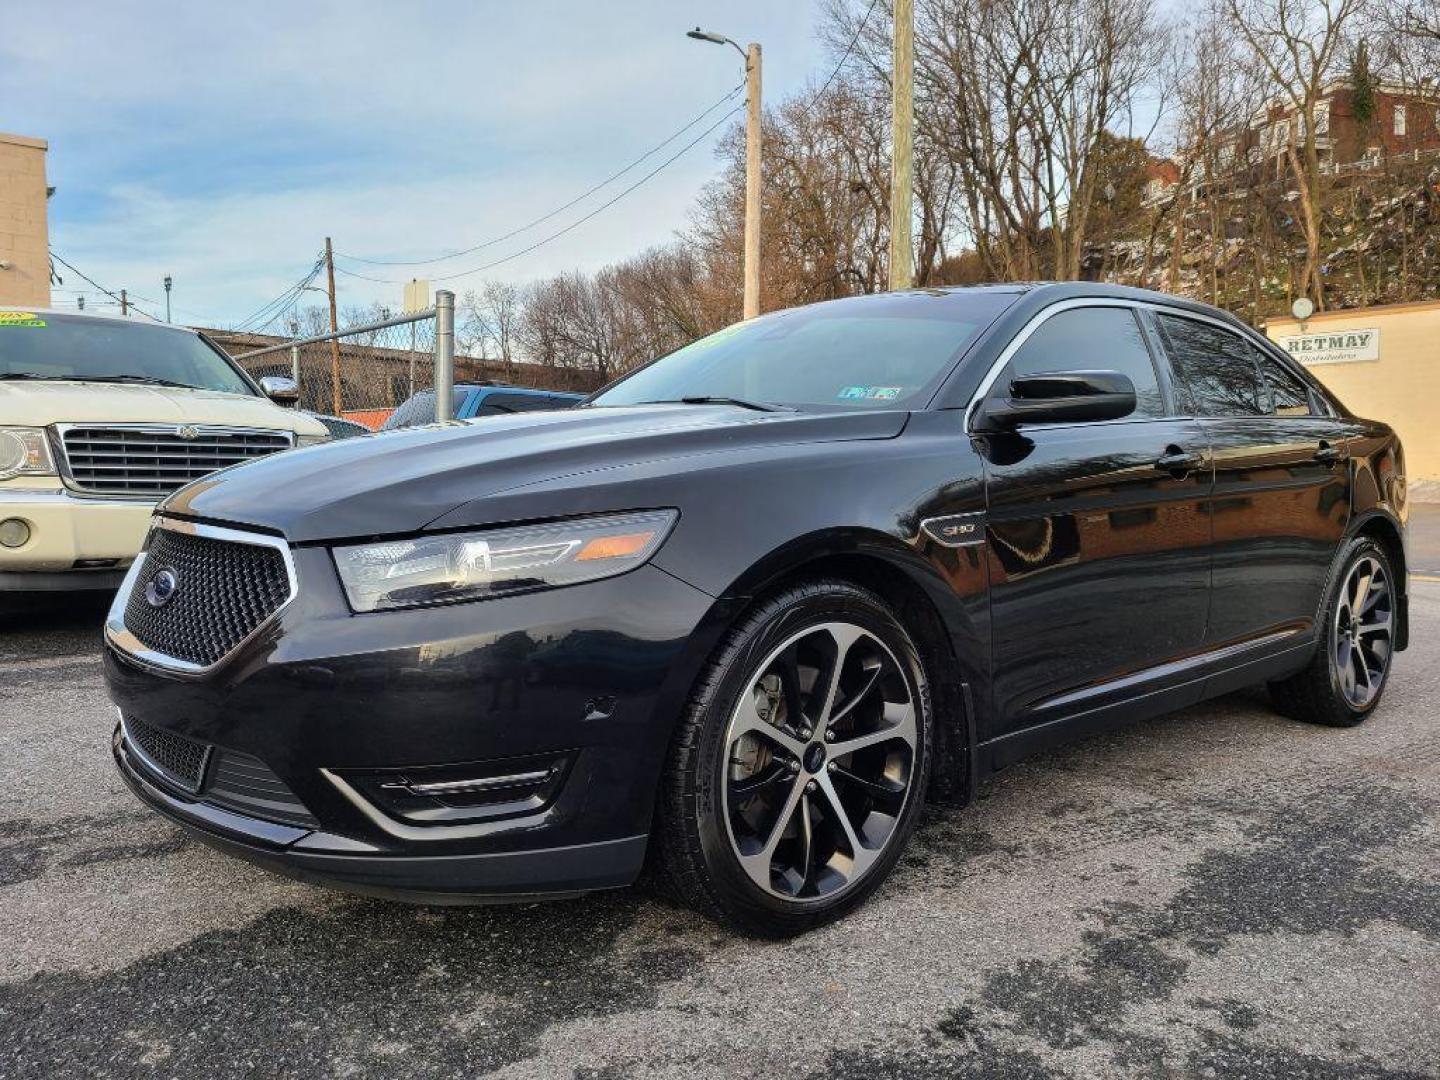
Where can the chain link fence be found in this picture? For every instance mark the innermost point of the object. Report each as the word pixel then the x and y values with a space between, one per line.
pixel 363 373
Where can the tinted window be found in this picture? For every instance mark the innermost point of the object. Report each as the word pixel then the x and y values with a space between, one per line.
pixel 76 347
pixel 420 409
pixel 869 352
pixel 1091 339
pixel 1289 396
pixel 1215 367
pixel 520 402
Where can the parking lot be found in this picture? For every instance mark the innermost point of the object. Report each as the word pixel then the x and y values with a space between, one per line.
pixel 1221 892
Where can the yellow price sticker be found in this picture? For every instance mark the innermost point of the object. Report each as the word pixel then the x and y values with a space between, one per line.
pixel 20 318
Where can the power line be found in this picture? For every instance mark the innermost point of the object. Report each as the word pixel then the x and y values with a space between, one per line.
pixel 269 312
pixel 126 303
pixel 544 217
pixel 578 221
pixel 854 40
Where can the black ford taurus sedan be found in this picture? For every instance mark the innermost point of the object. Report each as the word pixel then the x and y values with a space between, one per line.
pixel 745 609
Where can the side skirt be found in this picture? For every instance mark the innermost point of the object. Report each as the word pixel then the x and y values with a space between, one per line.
pixel 1241 671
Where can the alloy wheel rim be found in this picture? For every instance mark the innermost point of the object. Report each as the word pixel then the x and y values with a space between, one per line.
pixel 820 752
pixel 1361 638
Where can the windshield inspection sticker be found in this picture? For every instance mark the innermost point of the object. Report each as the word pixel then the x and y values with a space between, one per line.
pixel 869 393
pixel 20 318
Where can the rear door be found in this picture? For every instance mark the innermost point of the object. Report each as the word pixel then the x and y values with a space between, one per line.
pixel 1282 495
pixel 1097 536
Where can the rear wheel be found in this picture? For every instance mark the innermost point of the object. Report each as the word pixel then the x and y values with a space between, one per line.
pixel 799 769
pixel 1344 681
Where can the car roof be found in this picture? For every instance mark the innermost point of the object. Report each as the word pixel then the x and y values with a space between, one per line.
pixel 1046 292
pixel 123 320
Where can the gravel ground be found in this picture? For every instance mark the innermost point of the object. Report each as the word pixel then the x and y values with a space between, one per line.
pixel 1218 893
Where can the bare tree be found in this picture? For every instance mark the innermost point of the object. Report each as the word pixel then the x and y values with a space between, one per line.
pixel 489 322
pixel 1300 45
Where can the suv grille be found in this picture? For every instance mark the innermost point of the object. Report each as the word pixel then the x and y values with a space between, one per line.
pixel 178 759
pixel 224 590
pixel 149 460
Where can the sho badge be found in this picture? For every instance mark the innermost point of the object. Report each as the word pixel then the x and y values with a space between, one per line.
pixel 161 587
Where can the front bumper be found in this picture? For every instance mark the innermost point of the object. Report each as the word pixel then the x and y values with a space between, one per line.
pixel 343 707
pixel 66 530
pixel 326 859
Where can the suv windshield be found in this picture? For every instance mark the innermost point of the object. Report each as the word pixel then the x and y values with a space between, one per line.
pixel 51 346
pixel 869 352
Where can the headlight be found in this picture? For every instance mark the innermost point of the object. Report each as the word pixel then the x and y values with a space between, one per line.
pixel 478 565
pixel 311 440
pixel 24 452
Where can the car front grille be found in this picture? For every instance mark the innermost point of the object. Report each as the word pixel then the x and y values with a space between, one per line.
pixel 154 460
pixel 177 759
pixel 222 591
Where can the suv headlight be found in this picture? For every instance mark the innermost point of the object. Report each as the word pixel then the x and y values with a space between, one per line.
pixel 24 452
pixel 479 565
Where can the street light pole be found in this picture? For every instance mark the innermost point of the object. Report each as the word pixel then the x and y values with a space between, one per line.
pixel 752 163
pixel 167 298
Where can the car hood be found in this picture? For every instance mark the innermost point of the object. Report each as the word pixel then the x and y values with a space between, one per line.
pixel 401 481
pixel 32 403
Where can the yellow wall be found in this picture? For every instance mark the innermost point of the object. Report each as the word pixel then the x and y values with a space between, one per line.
pixel 24 234
pixel 1402 387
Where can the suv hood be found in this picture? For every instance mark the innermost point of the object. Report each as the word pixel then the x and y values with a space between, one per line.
pixel 401 481
pixel 32 403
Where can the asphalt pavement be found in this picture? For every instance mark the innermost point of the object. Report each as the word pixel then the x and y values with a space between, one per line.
pixel 1221 892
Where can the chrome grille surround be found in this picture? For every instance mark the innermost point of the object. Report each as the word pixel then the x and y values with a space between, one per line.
pixel 149 461
pixel 125 640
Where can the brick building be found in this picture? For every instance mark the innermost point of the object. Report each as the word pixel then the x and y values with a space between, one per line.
pixel 1406 120
pixel 24 229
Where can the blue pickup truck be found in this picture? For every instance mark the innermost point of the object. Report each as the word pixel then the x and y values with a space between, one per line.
pixel 472 401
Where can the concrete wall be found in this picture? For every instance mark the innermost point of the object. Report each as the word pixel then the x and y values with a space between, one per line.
pixel 1400 386
pixel 24 232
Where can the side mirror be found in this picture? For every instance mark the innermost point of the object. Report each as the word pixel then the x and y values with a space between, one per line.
pixel 280 389
pixel 1055 397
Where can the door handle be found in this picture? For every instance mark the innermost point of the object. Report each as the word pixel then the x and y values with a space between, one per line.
pixel 1327 454
pixel 1178 460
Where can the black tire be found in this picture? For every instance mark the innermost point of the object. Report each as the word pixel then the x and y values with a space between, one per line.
pixel 1321 693
pixel 700 833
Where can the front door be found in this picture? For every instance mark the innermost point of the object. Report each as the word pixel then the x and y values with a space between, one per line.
pixel 1097 538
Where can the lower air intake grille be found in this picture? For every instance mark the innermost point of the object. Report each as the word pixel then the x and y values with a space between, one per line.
pixel 178 759
pixel 222 591
pixel 246 785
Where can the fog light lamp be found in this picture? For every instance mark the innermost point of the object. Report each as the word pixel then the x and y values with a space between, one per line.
pixel 14 533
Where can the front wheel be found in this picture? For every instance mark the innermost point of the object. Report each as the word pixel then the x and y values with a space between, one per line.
pixel 799 769
pixel 1343 683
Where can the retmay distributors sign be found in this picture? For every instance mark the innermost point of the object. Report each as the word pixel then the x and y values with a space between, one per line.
pixel 1334 346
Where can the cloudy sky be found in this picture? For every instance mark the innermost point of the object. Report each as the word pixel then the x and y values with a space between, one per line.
pixel 220 143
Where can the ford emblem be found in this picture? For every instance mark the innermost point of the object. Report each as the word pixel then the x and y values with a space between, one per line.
pixel 160 589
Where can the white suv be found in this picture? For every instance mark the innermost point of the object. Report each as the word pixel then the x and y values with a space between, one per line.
pixel 100 419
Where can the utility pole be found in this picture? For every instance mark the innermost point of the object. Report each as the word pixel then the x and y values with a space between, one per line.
pixel 752 181
pixel 752 163
pixel 124 303
pixel 334 326
pixel 902 146
pixel 167 298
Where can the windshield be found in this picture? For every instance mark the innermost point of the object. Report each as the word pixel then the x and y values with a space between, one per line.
pixel 75 347
pixel 869 352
